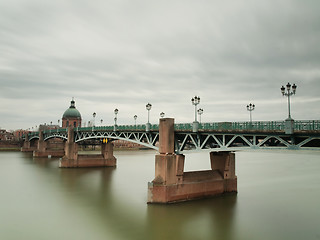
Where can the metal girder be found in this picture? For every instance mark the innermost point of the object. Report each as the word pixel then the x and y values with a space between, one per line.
pixel 200 141
pixel 148 139
pixel 62 135
pixel 227 141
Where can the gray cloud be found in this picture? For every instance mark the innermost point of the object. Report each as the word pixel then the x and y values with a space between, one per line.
pixel 123 54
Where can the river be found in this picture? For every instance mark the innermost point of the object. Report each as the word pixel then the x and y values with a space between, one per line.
pixel 278 198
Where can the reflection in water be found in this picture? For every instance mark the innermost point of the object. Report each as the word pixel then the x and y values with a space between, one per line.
pixel 45 202
pixel 213 217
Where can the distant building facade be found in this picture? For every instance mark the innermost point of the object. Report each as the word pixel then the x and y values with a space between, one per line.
pixel 6 136
pixel 71 116
pixel 18 134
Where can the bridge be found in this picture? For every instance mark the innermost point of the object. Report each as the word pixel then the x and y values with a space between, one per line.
pixel 223 136
pixel 172 141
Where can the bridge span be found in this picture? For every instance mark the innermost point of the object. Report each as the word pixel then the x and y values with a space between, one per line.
pixel 172 141
pixel 224 136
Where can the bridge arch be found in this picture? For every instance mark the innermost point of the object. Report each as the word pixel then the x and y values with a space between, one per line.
pixel 148 145
pixel 65 138
pixel 34 138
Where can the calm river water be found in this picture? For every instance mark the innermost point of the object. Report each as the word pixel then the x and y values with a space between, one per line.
pixel 278 198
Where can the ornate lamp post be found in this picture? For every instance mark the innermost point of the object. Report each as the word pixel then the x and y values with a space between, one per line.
pixel 135 120
pixel 162 114
pixel 200 111
pixel 101 120
pixel 148 125
pixel 250 108
pixel 115 119
pixel 94 119
pixel 289 126
pixel 195 101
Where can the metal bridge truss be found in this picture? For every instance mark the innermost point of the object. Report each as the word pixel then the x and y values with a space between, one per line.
pixel 147 139
pixel 232 141
pixel 189 141
pixel 47 135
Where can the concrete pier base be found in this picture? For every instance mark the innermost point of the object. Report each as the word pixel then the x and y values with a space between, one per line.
pixel 47 153
pixel 172 184
pixel 73 160
pixel 30 149
pixel 26 147
pixel 89 160
pixel 43 151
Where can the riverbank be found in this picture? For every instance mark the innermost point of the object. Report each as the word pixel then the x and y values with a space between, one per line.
pixel 10 149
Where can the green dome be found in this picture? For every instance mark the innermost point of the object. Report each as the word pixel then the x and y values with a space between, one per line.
pixel 72 112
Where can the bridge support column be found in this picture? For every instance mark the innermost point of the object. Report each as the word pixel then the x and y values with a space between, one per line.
pixel 172 184
pixel 107 153
pixel 73 160
pixel 43 151
pixel 70 150
pixel 27 145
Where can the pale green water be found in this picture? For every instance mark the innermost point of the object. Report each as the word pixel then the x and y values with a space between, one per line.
pixel 278 198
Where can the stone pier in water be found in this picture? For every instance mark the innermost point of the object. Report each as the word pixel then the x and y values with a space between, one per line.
pixel 172 184
pixel 72 159
pixel 43 150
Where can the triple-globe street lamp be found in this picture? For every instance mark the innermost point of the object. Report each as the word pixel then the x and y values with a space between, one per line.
pixel 250 108
pixel 94 119
pixel 200 111
pixel 135 120
pixel 115 119
pixel 195 101
pixel 288 94
pixel 148 125
pixel 289 122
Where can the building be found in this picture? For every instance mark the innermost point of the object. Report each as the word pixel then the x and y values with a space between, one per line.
pixel 71 116
pixel 43 127
pixel 6 136
pixel 18 134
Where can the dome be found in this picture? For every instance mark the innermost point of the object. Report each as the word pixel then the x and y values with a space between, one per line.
pixel 72 112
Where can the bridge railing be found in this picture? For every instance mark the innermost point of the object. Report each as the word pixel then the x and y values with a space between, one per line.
pixel 304 125
pixel 229 126
pixel 307 125
pixel 299 125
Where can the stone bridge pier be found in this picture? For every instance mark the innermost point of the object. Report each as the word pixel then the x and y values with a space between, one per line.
pixel 72 159
pixel 26 147
pixel 172 184
pixel 43 149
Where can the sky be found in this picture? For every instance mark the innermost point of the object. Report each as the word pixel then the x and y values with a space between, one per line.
pixel 124 54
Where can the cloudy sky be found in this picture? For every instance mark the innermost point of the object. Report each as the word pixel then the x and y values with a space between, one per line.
pixel 123 54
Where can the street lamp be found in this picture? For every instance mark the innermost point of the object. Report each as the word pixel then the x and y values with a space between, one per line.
pixel 115 119
pixel 162 114
pixel 250 108
pixel 195 101
pixel 94 119
pixel 200 111
pixel 101 120
pixel 289 121
pixel 135 120
pixel 148 125
pixel 288 94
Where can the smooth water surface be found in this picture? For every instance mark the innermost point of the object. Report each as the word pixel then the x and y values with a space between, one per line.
pixel 278 198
